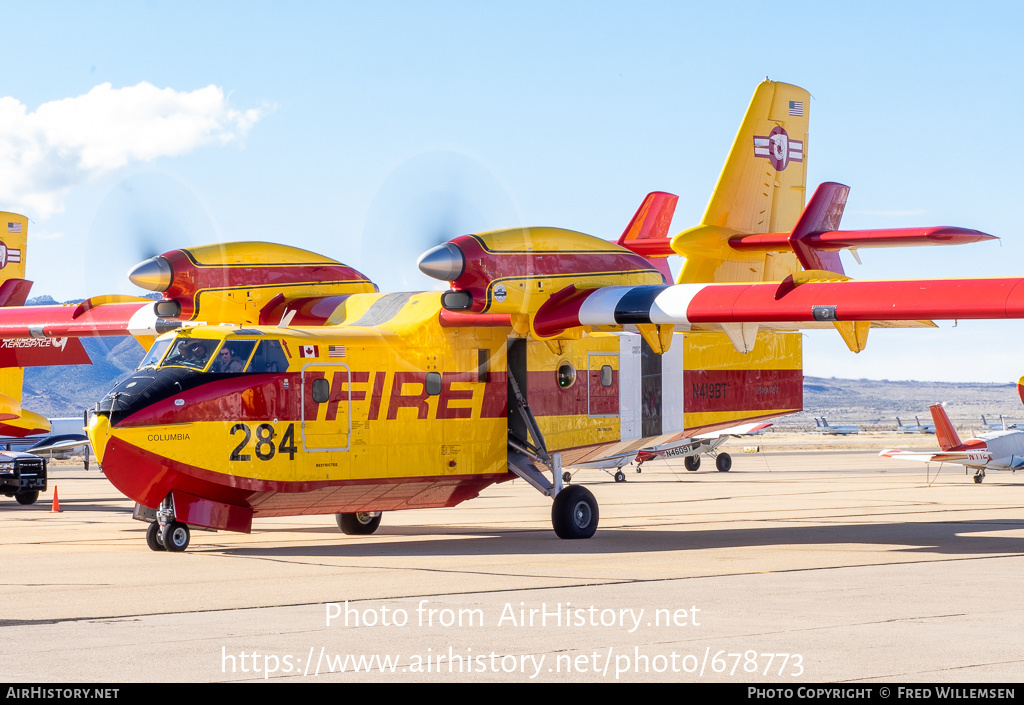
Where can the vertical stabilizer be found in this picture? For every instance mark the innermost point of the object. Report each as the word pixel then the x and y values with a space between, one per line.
pixel 945 434
pixel 14 290
pixel 760 190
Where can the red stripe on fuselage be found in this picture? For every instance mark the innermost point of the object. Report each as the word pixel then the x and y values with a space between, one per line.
pixel 742 390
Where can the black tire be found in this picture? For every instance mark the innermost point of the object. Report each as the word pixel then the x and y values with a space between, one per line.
pixel 692 463
pixel 175 537
pixel 978 479
pixel 574 514
pixel 620 476
pixel 566 477
pixel 358 523
pixel 27 497
pixel 153 539
pixel 723 462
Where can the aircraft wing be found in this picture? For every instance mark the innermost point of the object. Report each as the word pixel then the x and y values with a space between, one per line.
pixel 961 457
pixel 57 447
pixel 741 430
pixel 99 316
pixel 793 303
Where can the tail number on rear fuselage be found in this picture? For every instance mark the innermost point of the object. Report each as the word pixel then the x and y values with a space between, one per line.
pixel 264 447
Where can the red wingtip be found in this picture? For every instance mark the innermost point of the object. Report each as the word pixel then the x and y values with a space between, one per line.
pixel 1020 389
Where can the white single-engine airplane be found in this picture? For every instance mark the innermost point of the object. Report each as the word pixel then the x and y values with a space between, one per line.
pixel 996 450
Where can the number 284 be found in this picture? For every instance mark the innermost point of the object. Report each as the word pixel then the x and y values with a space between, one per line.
pixel 264 446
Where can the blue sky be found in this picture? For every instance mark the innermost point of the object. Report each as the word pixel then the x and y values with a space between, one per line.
pixel 367 130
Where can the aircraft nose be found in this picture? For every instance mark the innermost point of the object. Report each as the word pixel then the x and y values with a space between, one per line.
pixel 445 262
pixel 99 432
pixel 153 274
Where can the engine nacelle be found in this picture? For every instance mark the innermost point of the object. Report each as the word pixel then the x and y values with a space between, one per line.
pixel 234 282
pixel 516 271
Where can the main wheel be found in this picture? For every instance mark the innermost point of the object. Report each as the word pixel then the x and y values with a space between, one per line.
pixel 692 462
pixel 153 538
pixel 978 479
pixel 358 523
pixel 574 513
pixel 723 462
pixel 175 537
pixel 27 497
pixel 620 476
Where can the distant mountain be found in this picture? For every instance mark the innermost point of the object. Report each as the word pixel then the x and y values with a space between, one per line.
pixel 65 391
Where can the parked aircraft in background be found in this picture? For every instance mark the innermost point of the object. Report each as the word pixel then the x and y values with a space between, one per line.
pixel 1001 426
pixel 823 426
pixel 689 449
pixel 916 427
pixel 997 450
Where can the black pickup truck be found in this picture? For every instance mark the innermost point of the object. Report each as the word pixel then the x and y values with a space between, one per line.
pixel 22 476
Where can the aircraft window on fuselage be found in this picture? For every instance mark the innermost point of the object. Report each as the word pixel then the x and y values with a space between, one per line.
pixel 155 353
pixel 232 356
pixel 269 357
pixel 189 352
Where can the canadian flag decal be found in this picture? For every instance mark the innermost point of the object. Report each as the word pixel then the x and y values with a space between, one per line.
pixel 308 351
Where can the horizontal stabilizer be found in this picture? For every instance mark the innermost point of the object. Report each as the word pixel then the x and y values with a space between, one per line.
pixel 861 239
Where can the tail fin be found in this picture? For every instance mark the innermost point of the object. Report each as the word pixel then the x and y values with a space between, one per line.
pixel 15 354
pixel 761 190
pixel 647 232
pixel 1020 389
pixel 945 434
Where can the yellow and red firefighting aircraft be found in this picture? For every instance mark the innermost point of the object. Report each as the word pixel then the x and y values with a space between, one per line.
pixel 551 348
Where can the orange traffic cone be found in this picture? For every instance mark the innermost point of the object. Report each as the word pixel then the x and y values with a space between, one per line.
pixel 56 502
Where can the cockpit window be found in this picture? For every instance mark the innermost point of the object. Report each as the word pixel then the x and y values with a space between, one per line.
pixel 232 356
pixel 155 353
pixel 189 352
pixel 269 357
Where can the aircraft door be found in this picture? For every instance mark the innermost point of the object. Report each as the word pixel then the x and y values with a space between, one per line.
pixel 327 405
pixel 602 384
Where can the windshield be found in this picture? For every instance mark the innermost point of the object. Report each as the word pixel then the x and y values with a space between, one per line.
pixel 155 353
pixel 188 352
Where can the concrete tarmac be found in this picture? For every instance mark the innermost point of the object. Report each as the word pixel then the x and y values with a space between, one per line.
pixel 796 567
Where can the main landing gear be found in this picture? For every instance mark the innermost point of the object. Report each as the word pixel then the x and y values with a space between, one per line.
pixel 979 476
pixel 358 523
pixel 574 511
pixel 723 462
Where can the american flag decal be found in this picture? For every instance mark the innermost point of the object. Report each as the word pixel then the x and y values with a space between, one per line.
pixel 335 351
pixel 14 227
pixel 308 351
pixel 796 108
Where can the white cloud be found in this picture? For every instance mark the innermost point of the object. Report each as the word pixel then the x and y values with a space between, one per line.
pixel 67 142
